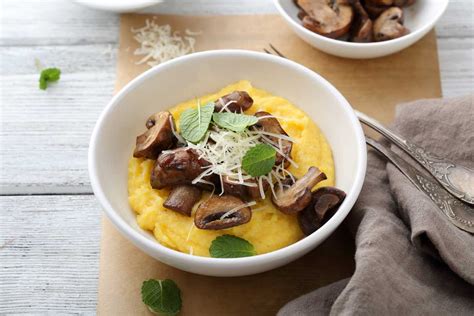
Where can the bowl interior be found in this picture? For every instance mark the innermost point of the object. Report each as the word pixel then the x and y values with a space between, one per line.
pixel 417 16
pixel 203 73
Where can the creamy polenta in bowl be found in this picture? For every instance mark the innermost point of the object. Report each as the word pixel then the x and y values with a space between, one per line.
pixel 227 163
pixel 240 163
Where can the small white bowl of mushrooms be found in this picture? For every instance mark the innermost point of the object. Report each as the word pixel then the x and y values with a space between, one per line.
pixel 361 28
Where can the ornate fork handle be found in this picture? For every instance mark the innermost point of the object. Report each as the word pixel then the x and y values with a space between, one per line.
pixel 458 180
pixel 459 213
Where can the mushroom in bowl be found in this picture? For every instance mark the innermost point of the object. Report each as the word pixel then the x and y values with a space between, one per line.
pixel 111 149
pixel 234 162
pixel 376 27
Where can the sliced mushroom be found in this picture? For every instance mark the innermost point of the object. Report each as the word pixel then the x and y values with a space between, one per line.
pixel 298 196
pixel 397 3
pixel 403 3
pixel 324 204
pixel 157 138
pixel 254 192
pixel 220 212
pixel 232 188
pixel 237 101
pixel 176 167
pixel 268 123
pixel 375 10
pixel 244 191
pixel 389 25
pixel 301 14
pixel 362 26
pixel 380 2
pixel 328 18
pixel 182 199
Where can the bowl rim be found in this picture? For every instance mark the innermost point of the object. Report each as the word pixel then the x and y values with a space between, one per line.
pixel 425 28
pixel 285 252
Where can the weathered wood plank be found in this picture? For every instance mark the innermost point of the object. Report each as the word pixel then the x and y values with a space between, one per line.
pixel 45 134
pixel 49 249
pixel 54 22
pixel 457 78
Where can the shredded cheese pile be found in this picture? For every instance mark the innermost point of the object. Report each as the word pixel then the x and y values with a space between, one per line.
pixel 225 149
pixel 158 43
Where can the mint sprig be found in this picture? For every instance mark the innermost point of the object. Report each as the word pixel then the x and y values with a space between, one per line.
pixel 195 122
pixel 163 297
pixel 259 160
pixel 234 121
pixel 48 75
pixel 229 246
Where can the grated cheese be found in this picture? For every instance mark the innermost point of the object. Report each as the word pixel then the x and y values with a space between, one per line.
pixel 158 43
pixel 225 149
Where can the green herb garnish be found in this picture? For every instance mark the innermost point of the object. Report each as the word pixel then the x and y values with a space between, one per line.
pixel 48 75
pixel 228 246
pixel 195 122
pixel 163 297
pixel 233 121
pixel 259 160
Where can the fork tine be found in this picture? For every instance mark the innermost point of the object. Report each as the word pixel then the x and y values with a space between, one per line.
pixel 267 51
pixel 277 51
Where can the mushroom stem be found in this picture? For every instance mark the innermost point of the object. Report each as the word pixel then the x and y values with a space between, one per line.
pixel 298 196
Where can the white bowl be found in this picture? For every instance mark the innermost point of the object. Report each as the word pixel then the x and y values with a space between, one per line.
pixel 118 6
pixel 159 88
pixel 419 18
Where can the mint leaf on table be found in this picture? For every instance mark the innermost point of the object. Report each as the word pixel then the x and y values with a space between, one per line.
pixel 259 160
pixel 48 75
pixel 228 246
pixel 234 121
pixel 195 122
pixel 163 297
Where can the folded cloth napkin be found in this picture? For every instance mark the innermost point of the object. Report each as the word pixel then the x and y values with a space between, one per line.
pixel 409 258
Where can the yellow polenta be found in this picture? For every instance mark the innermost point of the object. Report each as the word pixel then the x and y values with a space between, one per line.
pixel 269 229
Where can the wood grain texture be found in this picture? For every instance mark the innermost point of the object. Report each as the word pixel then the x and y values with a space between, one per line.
pixel 48 254
pixel 44 137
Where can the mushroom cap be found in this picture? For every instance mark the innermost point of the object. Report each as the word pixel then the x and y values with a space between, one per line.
pixel 182 199
pixel 362 26
pixel 325 19
pixel 298 196
pixel 268 123
pixel 221 212
pixel 158 137
pixel 244 191
pixel 375 10
pixel 389 25
pixel 380 2
pixel 241 101
pixel 176 167
pixel 397 3
pixel 324 204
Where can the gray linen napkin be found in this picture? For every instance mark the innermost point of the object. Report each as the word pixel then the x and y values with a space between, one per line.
pixel 409 258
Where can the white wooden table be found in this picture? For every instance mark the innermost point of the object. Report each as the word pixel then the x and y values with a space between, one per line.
pixel 49 219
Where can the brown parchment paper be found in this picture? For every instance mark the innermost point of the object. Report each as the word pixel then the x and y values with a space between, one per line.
pixel 372 86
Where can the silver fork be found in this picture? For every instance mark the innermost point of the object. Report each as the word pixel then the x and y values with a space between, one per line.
pixel 459 213
pixel 456 179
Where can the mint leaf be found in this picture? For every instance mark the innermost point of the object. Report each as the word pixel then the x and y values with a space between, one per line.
pixel 195 122
pixel 48 75
pixel 228 246
pixel 234 121
pixel 163 297
pixel 259 160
